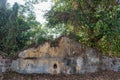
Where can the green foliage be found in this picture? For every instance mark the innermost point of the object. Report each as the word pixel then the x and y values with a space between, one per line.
pixel 18 27
pixel 10 29
pixel 95 23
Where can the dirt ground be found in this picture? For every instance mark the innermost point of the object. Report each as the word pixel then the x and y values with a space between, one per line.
pixel 103 75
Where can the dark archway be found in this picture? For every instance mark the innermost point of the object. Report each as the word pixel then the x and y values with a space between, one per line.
pixel 55 66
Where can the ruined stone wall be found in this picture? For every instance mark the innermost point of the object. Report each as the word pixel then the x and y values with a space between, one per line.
pixel 58 65
pixel 110 63
pixel 68 65
pixel 66 47
pixel 4 64
pixel 67 57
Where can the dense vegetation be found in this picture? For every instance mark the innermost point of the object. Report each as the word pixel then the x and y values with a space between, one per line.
pixel 18 27
pixel 95 23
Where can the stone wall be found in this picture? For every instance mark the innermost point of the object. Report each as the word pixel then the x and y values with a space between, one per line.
pixel 49 65
pixel 110 63
pixel 66 47
pixel 4 64
pixel 58 65
pixel 68 65
pixel 67 57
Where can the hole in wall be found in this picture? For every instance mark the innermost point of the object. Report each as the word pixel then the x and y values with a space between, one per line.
pixel 55 66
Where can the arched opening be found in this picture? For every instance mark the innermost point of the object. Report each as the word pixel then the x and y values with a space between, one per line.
pixel 55 66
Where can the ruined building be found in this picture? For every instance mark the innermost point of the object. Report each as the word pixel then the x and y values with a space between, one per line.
pixel 66 57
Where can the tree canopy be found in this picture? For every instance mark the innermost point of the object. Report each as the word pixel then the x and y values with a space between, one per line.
pixel 95 23
pixel 18 26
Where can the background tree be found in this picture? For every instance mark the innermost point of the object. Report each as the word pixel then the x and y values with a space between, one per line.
pixel 18 27
pixel 95 23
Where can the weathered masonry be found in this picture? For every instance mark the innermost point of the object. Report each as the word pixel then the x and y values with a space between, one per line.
pixel 66 56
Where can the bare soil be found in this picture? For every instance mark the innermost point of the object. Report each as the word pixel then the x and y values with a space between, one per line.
pixel 102 75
